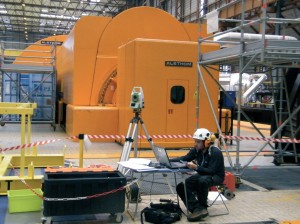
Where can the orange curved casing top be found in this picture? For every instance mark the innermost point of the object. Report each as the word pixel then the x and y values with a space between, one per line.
pixel 90 53
pixel 140 22
pixel 77 58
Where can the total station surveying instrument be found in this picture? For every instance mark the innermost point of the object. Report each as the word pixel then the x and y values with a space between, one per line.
pixel 137 104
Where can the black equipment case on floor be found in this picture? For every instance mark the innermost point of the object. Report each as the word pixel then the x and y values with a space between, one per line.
pixel 82 184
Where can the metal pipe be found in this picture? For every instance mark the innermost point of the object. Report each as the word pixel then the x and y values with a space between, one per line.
pixel 212 109
pixel 254 87
pixel 241 64
pixel 234 36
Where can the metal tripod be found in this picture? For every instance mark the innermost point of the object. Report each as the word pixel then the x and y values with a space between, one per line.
pixel 132 136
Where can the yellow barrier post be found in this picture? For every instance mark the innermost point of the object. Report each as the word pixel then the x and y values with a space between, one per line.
pixel 28 118
pixel 81 137
pixel 30 173
pixel 22 109
pixel 22 162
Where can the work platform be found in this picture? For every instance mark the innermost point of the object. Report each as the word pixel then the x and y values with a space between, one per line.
pixel 27 68
pixel 262 52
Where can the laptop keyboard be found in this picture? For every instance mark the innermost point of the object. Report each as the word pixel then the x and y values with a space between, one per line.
pixel 178 164
pixel 156 165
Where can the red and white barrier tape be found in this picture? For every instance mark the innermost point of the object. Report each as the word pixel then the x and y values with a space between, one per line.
pixel 190 136
pixel 106 136
pixel 28 145
pixel 171 136
pixel 237 138
pixel 139 136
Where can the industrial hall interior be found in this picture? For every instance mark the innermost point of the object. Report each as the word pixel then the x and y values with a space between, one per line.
pixel 150 111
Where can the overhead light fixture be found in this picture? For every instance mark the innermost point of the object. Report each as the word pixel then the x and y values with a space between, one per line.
pixel 59 16
pixel 94 2
pixel 44 10
pixel 23 5
pixel 3 11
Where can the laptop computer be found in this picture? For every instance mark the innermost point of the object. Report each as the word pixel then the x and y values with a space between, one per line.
pixel 163 158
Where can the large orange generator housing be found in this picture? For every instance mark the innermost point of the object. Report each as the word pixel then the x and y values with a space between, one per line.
pixel 104 58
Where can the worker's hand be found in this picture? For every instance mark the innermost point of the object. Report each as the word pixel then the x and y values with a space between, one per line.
pixel 191 165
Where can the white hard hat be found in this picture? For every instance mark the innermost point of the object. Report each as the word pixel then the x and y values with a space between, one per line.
pixel 202 134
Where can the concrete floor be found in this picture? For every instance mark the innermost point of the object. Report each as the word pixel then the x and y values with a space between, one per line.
pixel 255 200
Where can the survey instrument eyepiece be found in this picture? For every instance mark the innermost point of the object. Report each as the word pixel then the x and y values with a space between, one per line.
pixel 137 98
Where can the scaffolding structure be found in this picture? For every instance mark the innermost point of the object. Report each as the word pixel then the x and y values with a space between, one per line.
pixel 28 75
pixel 275 57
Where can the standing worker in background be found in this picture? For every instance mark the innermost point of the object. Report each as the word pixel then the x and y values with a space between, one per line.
pixel 208 162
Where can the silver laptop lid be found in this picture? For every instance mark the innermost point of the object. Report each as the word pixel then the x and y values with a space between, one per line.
pixel 161 155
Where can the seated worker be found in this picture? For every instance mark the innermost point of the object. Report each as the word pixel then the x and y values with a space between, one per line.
pixel 208 162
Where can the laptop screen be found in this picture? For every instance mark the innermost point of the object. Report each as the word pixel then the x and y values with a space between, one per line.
pixel 161 155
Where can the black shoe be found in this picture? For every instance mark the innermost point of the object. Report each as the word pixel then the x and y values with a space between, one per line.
pixel 197 215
